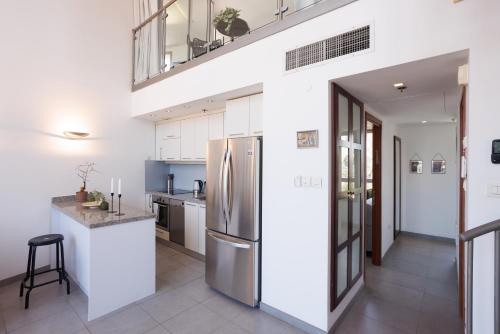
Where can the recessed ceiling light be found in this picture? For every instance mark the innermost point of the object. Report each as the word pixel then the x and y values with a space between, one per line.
pixel 423 122
pixel 75 134
pixel 399 84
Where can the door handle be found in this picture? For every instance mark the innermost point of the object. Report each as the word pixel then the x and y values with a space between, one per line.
pixel 221 184
pixel 229 185
pixel 232 244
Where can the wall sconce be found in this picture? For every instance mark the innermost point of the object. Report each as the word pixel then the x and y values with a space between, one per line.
pixel 75 134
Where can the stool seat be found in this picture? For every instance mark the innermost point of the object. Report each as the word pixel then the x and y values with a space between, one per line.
pixel 45 240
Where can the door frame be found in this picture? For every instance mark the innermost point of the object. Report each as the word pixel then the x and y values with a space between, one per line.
pixel 462 202
pixel 351 281
pixel 377 186
pixel 397 140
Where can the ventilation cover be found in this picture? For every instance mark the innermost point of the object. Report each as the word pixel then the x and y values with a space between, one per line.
pixel 333 47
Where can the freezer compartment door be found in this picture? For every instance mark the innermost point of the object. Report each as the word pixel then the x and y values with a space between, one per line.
pixel 232 267
pixel 216 189
pixel 243 188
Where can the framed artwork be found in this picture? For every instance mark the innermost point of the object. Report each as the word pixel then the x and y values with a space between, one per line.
pixel 416 166
pixel 307 139
pixel 438 167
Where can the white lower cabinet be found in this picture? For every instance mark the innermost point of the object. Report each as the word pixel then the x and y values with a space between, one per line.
pixel 201 229
pixel 194 227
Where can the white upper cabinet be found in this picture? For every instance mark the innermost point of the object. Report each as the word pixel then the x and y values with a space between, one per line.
pixel 237 117
pixel 256 115
pixel 160 137
pixel 200 138
pixel 171 149
pixel 172 129
pixel 216 126
pixel 188 139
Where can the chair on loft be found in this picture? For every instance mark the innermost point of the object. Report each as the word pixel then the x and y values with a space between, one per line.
pixel 199 46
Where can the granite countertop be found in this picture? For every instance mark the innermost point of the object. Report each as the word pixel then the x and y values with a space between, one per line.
pixel 94 218
pixel 182 197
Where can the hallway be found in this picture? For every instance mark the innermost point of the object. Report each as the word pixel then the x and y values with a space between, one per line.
pixel 414 291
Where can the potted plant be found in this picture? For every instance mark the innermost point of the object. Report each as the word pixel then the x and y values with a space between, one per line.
pixel 228 23
pixel 83 171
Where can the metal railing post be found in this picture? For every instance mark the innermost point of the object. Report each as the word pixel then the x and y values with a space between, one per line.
pixel 497 284
pixel 133 56
pixel 470 264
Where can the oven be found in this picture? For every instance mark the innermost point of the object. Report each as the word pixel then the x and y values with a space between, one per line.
pixel 161 209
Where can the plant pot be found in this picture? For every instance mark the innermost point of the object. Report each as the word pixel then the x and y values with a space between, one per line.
pixel 81 196
pixel 238 28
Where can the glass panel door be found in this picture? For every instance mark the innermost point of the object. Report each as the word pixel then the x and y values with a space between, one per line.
pixel 348 197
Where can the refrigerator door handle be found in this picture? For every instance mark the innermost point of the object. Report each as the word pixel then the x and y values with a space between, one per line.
pixel 232 244
pixel 222 184
pixel 229 181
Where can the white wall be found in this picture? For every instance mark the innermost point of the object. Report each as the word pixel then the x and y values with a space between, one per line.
pixel 429 201
pixel 65 65
pixel 300 100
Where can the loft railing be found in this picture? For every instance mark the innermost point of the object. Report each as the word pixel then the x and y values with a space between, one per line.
pixel 469 238
pixel 182 30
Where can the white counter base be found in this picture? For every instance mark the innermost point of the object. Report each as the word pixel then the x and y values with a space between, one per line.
pixel 113 265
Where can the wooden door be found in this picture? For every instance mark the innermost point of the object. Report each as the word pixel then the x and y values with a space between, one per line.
pixel 397 186
pixel 347 193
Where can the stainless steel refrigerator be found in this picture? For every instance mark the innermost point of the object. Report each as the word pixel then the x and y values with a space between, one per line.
pixel 233 218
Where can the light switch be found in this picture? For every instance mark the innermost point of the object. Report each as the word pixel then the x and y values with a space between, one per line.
pixel 316 182
pixel 306 181
pixel 494 190
pixel 297 181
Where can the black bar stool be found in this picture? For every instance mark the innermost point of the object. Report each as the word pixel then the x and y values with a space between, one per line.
pixel 44 240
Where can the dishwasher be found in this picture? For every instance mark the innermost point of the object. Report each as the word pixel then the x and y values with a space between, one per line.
pixel 176 221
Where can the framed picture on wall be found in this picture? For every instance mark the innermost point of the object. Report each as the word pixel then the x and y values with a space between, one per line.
pixel 307 139
pixel 438 167
pixel 416 166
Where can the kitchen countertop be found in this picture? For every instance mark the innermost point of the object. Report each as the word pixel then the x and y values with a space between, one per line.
pixel 95 218
pixel 181 197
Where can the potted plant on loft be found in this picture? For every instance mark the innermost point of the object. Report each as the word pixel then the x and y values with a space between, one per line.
pixel 228 23
pixel 83 172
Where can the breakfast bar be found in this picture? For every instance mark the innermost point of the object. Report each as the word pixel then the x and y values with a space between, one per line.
pixel 110 257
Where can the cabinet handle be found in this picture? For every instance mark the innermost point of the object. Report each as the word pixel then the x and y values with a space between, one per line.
pixel 236 134
pixel 189 204
pixel 171 136
pixel 257 132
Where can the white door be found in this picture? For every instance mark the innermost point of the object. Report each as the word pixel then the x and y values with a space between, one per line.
pixel 236 118
pixel 201 138
pixel 201 229
pixel 256 115
pixel 187 139
pixel 216 126
pixel 160 138
pixel 191 226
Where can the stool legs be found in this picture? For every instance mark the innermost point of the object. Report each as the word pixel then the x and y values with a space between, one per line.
pixel 21 292
pixel 64 275
pixel 57 264
pixel 32 278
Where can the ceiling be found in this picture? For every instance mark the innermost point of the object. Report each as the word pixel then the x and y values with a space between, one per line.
pixel 432 92
pixel 205 105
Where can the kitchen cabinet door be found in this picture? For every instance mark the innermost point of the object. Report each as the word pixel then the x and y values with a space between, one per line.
pixel 159 144
pixel 171 149
pixel 236 118
pixel 216 126
pixel 201 138
pixel 191 226
pixel 188 139
pixel 172 130
pixel 256 115
pixel 201 229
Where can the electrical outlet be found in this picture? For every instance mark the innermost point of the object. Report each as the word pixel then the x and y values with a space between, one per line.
pixel 316 182
pixel 306 181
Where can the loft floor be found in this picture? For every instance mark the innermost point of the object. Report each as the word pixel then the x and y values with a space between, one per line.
pixel 414 291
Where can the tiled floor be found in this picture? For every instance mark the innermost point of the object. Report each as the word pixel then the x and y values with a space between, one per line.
pixel 414 291
pixel 183 304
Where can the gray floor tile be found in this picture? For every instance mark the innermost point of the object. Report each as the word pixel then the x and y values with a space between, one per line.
pixel 357 323
pixel 196 320
pixel 396 294
pixel 447 290
pixel 198 290
pixel 225 307
pixel 179 277
pixel 66 322
pixel 445 271
pixel 230 328
pixel 130 321
pixel 435 324
pixel 158 330
pixel 168 305
pixel 396 277
pixel 258 322
pixel 438 306
pixel 2 324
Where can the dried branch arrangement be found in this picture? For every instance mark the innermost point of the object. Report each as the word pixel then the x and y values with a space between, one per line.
pixel 83 172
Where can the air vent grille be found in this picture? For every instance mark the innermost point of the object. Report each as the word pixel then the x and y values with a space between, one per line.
pixel 333 47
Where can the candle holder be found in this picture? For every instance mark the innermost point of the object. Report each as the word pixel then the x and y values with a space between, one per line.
pixel 119 206
pixel 112 203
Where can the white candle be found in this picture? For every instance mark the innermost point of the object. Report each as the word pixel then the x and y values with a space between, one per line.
pixel 119 186
pixel 112 185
